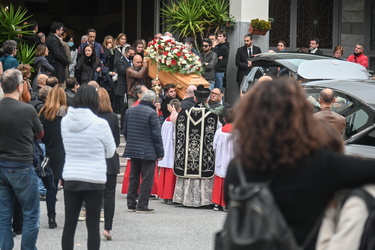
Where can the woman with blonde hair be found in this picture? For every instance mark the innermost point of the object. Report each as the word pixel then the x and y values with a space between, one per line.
pixel 113 164
pixel 279 141
pixel 120 46
pixel 109 51
pixel 51 115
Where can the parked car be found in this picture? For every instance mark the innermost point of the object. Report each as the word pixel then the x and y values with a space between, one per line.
pixel 302 67
pixel 355 100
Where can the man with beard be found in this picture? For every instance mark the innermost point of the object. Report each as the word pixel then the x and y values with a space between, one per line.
pixel 358 56
pixel 170 94
pixel 242 57
pixel 209 61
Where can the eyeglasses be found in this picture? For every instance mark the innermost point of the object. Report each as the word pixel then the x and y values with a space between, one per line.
pixel 213 93
pixel 205 46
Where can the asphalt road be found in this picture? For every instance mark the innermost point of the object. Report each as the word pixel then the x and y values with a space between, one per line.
pixel 170 227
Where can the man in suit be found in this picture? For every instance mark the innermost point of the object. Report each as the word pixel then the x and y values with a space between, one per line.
pixel 57 56
pixel 314 46
pixel 242 57
pixel 122 64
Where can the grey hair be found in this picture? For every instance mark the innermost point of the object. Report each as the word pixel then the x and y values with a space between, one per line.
pixel 83 38
pixel 9 46
pixel 138 90
pixel 10 80
pixel 168 34
pixel 148 96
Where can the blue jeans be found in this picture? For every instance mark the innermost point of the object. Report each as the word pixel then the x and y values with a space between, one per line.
pixel 19 181
pixel 219 76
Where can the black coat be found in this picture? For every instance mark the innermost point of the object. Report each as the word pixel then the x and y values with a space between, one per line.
pixel 57 56
pixel 241 61
pixel 302 193
pixel 187 103
pixel 143 133
pixel 222 49
pixel 85 72
pixel 121 65
pixel 54 145
pixel 113 164
pixel 317 52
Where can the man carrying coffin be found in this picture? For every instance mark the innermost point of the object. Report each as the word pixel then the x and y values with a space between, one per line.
pixel 194 163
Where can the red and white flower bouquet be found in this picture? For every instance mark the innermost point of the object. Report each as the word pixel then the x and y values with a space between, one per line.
pixel 174 57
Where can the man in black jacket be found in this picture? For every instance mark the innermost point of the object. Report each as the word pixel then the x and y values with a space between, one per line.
pixel 57 56
pixel 222 51
pixel 144 146
pixel 314 46
pixel 242 57
pixel 122 64
pixel 209 61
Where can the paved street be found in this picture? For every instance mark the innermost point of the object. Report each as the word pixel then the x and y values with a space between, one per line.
pixel 170 227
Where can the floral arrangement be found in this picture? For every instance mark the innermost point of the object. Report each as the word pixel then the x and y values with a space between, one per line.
pixel 174 57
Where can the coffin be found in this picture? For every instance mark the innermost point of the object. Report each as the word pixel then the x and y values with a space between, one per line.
pixel 181 81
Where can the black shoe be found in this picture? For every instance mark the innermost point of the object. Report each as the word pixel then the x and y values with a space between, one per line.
pixel 42 197
pixel 145 211
pixel 52 222
pixel 153 197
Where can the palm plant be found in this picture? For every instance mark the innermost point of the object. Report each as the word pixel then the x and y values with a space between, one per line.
pixel 12 22
pixel 218 14
pixel 186 17
pixel 25 54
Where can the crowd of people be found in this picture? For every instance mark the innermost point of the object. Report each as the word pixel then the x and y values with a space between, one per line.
pixel 178 149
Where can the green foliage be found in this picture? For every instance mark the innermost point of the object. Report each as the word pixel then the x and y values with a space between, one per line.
pixel 12 22
pixel 262 25
pixel 25 54
pixel 196 18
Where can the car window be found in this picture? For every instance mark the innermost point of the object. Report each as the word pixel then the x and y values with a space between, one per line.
pixel 356 113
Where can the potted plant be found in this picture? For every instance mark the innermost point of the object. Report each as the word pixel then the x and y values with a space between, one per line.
pixel 229 21
pixel 259 27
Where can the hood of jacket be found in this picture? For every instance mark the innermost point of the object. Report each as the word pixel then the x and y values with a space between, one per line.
pixel 78 119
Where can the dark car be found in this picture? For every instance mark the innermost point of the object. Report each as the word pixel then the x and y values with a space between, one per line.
pixel 355 100
pixel 302 67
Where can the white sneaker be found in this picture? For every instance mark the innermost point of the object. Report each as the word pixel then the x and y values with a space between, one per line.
pixel 102 216
pixel 82 215
pixel 216 207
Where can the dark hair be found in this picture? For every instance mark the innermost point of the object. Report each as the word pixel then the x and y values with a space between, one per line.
pixel 52 81
pixel 277 128
pixel 70 82
pixel 10 80
pixel 55 26
pixel 33 24
pixel 221 32
pixel 86 97
pixel 169 86
pixel 129 48
pixel 93 56
pixel 212 34
pixel 281 41
pixel 91 30
pixel 317 40
pixel 207 40
pixel 40 50
pixel 229 115
pixel 249 35
pixel 188 39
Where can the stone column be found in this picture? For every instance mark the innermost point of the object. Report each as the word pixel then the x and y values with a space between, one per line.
pixel 243 11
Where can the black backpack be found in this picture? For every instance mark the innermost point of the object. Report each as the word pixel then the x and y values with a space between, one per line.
pixel 367 239
pixel 254 221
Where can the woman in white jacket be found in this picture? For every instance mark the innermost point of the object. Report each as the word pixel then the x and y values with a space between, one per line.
pixel 88 141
